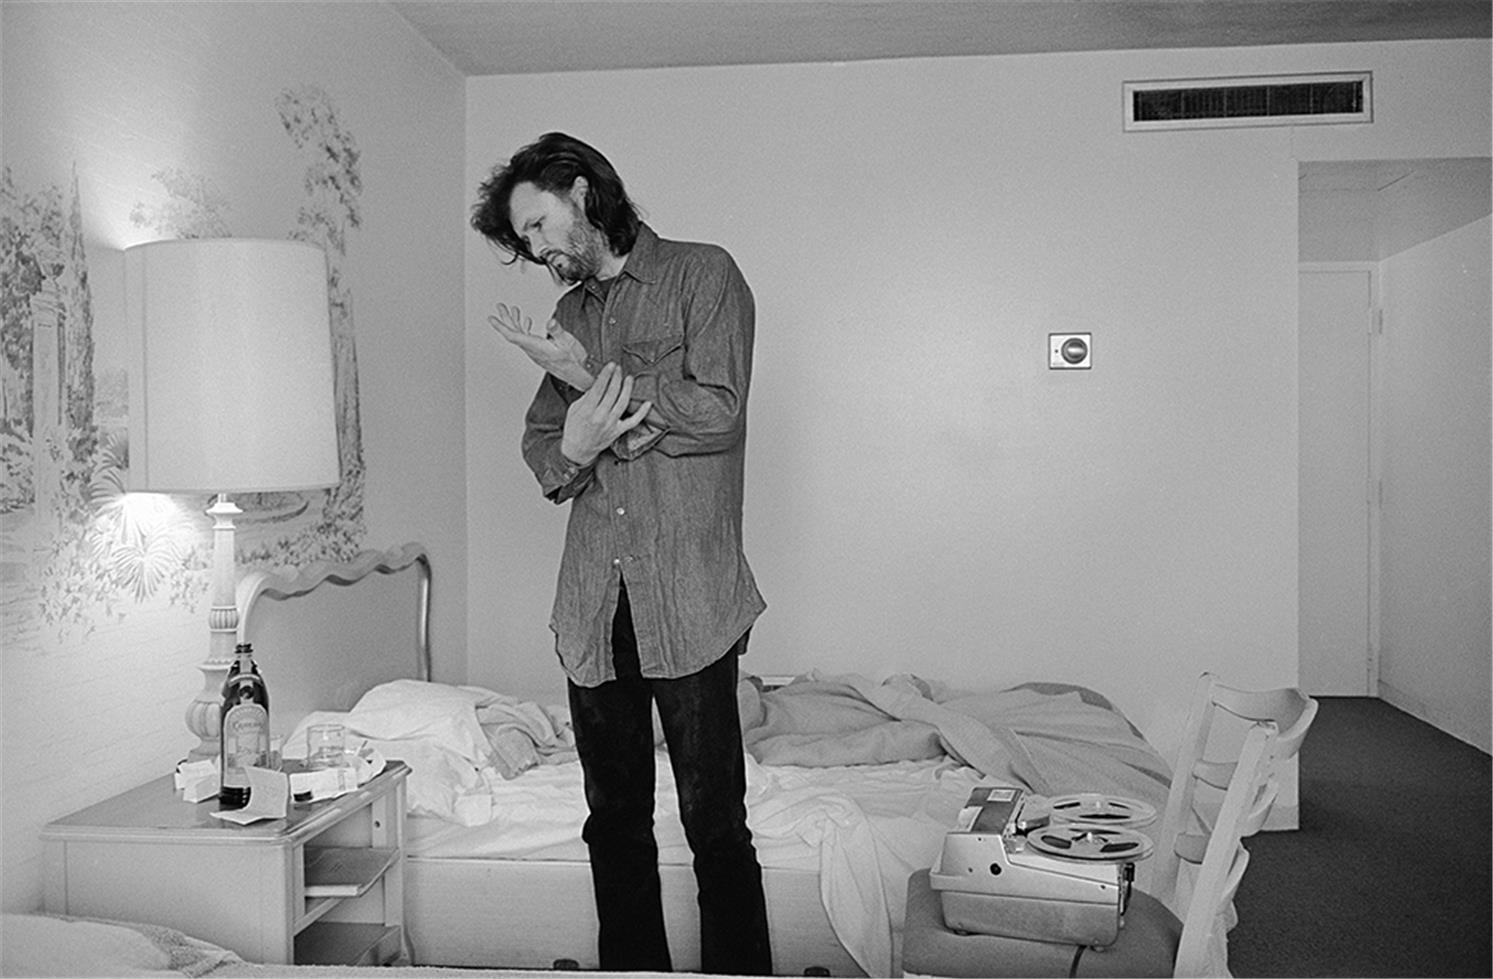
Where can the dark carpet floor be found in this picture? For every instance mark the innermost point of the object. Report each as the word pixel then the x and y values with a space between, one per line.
pixel 1389 874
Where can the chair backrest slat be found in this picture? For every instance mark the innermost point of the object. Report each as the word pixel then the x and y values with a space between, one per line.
pixel 1184 817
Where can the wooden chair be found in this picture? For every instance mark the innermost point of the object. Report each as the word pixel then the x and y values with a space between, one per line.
pixel 1168 930
pixel 1153 941
pixel 1182 835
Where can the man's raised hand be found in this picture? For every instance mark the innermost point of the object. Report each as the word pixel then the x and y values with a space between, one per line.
pixel 555 350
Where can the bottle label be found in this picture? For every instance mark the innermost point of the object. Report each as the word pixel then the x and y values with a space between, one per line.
pixel 246 741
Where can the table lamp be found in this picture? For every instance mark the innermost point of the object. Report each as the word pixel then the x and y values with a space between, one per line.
pixel 230 392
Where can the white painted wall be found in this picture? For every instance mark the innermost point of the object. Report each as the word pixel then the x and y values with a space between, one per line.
pixel 99 98
pixel 922 493
pixel 1435 660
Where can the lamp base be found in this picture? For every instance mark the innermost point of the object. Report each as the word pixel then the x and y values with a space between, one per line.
pixel 204 712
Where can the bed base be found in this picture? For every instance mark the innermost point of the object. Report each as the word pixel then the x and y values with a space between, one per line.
pixel 520 914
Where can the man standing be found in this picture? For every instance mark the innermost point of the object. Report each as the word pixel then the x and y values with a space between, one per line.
pixel 640 423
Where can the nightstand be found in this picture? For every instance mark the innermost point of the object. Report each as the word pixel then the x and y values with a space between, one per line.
pixel 323 886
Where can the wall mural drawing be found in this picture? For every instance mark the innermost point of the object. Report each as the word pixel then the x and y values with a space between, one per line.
pixel 193 208
pixel 332 184
pixel 75 551
pixel 69 551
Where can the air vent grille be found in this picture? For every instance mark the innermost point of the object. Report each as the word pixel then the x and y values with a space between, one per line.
pixel 1289 100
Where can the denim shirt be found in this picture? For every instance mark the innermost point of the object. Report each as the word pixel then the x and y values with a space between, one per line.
pixel 660 509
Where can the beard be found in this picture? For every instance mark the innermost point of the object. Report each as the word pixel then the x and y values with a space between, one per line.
pixel 581 257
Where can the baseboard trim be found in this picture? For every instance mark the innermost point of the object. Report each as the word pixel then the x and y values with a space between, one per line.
pixel 1418 710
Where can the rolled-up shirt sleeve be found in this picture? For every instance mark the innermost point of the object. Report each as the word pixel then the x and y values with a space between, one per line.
pixel 560 479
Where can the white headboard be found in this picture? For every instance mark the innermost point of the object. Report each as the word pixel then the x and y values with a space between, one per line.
pixel 331 632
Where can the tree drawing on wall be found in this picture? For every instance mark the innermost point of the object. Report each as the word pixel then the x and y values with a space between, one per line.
pixel 193 208
pixel 68 535
pixel 78 548
pixel 332 182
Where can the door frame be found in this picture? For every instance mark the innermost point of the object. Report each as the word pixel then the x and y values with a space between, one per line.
pixel 1374 478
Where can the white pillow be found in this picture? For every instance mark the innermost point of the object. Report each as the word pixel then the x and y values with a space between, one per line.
pixel 405 709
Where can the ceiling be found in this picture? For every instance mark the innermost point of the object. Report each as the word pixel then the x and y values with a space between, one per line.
pixel 504 37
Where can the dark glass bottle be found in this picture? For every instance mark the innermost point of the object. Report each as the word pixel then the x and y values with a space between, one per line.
pixel 246 728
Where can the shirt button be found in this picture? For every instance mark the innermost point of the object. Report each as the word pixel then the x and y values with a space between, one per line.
pixel 616 562
pixel 622 511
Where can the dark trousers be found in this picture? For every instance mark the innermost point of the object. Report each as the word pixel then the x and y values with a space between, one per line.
pixel 614 735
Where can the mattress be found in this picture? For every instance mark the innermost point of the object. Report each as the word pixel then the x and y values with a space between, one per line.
pixel 861 829
pixel 539 816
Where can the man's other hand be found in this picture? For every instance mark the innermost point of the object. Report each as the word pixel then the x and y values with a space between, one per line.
pixel 599 417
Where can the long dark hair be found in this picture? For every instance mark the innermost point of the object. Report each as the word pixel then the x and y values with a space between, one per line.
pixel 551 163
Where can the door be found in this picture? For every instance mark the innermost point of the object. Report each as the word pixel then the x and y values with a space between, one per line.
pixel 1336 505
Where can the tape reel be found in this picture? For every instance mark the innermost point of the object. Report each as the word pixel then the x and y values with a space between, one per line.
pixel 1086 841
pixel 1105 810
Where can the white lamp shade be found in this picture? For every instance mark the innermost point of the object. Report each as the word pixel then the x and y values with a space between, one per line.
pixel 231 357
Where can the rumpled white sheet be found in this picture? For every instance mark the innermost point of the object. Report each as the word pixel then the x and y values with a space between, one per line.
pixel 460 742
pixel 870 827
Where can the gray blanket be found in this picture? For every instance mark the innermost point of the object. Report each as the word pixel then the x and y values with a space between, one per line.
pixel 1052 739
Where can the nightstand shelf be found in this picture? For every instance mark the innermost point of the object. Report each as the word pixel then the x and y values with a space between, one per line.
pixel 323 886
pixel 342 943
pixel 345 871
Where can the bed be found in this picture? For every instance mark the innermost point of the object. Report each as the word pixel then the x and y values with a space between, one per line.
pixel 851 786
pixel 852 782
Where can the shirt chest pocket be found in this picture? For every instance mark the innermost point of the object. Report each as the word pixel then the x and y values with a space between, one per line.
pixel 654 355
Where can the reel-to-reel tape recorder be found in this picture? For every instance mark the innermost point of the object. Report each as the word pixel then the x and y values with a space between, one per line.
pixel 1049 869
